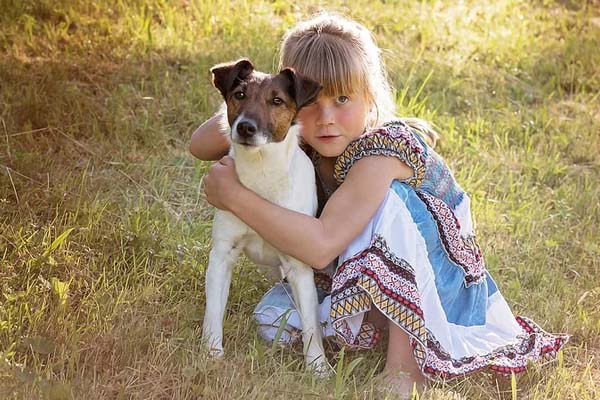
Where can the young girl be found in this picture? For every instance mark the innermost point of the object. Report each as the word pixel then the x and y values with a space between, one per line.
pixel 393 216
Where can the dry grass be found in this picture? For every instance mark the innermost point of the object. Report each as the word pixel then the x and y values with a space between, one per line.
pixel 104 233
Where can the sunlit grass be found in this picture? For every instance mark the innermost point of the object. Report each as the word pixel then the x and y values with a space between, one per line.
pixel 104 233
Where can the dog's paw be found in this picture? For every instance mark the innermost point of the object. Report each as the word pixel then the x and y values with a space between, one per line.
pixel 321 368
pixel 215 353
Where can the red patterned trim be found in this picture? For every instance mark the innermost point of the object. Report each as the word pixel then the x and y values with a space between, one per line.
pixel 377 276
pixel 393 139
pixel 464 251
pixel 534 345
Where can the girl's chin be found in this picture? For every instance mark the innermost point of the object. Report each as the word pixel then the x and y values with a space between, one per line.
pixel 328 149
pixel 329 152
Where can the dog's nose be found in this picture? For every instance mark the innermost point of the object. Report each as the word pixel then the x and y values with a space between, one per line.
pixel 246 129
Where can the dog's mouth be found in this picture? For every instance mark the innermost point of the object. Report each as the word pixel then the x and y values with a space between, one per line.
pixel 247 144
pixel 253 141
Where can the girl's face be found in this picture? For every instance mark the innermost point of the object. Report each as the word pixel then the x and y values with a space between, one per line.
pixel 331 123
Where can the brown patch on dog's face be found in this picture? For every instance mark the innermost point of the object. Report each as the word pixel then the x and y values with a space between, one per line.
pixel 265 101
pixel 262 107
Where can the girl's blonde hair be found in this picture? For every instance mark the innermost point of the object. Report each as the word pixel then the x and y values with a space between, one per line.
pixel 341 54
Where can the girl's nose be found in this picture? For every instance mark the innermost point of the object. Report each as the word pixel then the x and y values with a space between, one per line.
pixel 326 114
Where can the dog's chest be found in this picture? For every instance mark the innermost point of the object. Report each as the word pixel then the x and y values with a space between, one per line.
pixel 268 175
pixel 269 183
pixel 285 178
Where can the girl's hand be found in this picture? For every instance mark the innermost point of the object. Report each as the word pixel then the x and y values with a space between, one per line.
pixel 221 183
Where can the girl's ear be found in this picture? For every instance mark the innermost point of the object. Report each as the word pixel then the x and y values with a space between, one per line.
pixel 228 75
pixel 302 89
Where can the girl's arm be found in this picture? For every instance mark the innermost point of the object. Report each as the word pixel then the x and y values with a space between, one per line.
pixel 209 141
pixel 314 241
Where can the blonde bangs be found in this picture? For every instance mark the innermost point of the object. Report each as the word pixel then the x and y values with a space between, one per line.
pixel 341 55
pixel 329 62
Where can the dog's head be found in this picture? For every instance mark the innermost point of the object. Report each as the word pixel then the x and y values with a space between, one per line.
pixel 261 107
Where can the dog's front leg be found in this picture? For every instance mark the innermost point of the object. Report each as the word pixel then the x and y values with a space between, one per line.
pixel 301 279
pixel 218 280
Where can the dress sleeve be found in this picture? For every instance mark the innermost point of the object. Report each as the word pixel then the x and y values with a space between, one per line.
pixel 394 139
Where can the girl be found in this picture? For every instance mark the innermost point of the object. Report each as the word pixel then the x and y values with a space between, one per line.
pixel 393 216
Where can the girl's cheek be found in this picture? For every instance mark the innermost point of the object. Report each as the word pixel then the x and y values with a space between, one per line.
pixel 302 113
pixel 305 117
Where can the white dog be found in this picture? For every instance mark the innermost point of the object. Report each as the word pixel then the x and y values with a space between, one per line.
pixel 261 109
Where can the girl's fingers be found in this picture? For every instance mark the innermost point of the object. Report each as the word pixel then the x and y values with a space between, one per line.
pixel 227 160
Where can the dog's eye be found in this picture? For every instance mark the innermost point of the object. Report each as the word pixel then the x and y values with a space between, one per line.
pixel 277 101
pixel 239 95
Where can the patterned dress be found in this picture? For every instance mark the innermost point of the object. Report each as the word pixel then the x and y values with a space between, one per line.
pixel 419 263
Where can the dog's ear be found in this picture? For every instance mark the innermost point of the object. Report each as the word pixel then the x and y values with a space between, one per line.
pixel 226 75
pixel 303 90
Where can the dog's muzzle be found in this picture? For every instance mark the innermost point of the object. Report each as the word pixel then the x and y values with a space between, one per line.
pixel 245 131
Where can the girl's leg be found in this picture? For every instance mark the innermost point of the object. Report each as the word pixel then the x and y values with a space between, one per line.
pixel 401 371
pixel 399 354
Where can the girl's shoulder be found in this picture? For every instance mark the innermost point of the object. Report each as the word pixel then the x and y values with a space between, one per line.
pixel 396 139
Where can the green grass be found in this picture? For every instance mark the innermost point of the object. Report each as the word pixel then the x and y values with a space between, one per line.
pixel 104 233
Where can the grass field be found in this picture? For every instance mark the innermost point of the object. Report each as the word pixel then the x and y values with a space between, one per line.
pixel 104 233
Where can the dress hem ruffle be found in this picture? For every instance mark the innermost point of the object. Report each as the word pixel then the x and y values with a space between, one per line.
pixel 364 288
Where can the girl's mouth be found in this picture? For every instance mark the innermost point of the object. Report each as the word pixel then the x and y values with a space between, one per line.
pixel 327 138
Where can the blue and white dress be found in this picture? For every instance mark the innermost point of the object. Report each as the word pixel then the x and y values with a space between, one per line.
pixel 419 263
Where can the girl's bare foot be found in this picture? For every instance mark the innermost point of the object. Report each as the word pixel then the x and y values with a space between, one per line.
pixel 401 374
pixel 401 384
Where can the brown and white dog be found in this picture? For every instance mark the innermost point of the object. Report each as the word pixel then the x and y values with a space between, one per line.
pixel 261 111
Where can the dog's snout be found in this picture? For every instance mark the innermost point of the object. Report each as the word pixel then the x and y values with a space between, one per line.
pixel 246 129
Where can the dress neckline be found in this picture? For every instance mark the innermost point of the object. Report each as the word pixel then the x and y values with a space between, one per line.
pixel 327 191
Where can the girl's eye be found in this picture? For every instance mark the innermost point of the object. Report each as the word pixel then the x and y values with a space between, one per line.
pixel 343 99
pixel 239 95
pixel 277 101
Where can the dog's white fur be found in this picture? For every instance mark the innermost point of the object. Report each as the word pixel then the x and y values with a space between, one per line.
pixel 283 174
